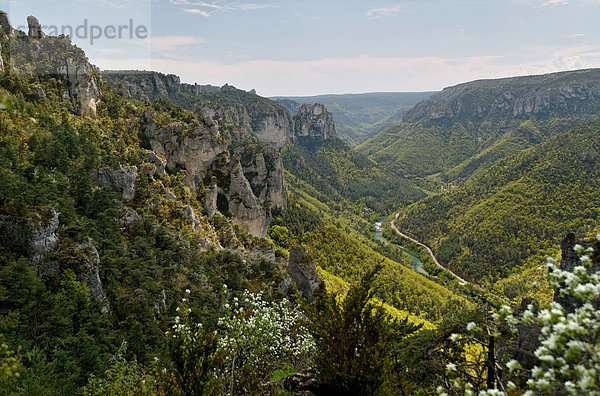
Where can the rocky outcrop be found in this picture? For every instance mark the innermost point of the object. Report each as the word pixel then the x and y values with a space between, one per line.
pixel 273 127
pixel 122 178
pixel 5 24
pixel 51 56
pixel 570 260
pixel 81 85
pixel 127 217
pixel 264 172
pixel 159 163
pixel 243 205
pixel 314 122
pixel 190 217
pixel 90 273
pixel 43 239
pixel 35 29
pixel 150 85
pixel 303 272
pixel 249 183
pixel 194 150
pixel 210 198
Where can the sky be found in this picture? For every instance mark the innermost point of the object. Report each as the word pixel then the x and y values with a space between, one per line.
pixel 308 47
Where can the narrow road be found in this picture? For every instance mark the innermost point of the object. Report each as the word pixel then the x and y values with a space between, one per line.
pixel 460 280
pixel 435 260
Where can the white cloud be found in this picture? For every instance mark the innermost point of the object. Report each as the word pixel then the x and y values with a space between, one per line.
pixel 196 11
pixel 551 3
pixel 172 42
pixel 251 6
pixel 577 35
pixel 364 73
pixel 383 12
pixel 206 9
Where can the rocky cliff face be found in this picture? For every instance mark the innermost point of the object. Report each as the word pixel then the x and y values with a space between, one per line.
pixel 241 177
pixel 314 122
pixel 52 57
pixel 303 272
pixel 232 154
pixel 150 85
pixel 270 122
pixel 550 95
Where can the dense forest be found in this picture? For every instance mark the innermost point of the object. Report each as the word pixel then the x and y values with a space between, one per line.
pixel 160 238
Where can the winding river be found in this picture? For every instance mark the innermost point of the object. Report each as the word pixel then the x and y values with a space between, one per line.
pixel 417 265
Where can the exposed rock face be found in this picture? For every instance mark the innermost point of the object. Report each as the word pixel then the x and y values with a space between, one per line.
pixel 160 163
pixel 314 122
pixel 44 239
pixel 160 306
pixel 568 262
pixel 123 178
pixel 250 181
pixel 265 174
pixel 195 151
pixel 35 29
pixel 152 85
pixel 90 274
pixel 128 217
pixel 5 24
pixel 302 270
pixel 81 85
pixel 190 217
pixel 273 128
pixel 244 207
pixel 210 198
pixel 550 95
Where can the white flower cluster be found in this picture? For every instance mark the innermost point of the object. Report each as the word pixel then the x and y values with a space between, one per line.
pixel 569 351
pixel 570 343
pixel 262 334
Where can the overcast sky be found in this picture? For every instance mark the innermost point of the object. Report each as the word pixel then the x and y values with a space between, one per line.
pixel 308 47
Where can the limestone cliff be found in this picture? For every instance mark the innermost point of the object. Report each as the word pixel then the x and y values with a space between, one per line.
pixel 150 85
pixel 314 122
pixel 52 57
pixel 240 177
pixel 544 96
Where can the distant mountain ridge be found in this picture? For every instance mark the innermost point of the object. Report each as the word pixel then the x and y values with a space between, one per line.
pixel 360 116
pixel 542 96
pixel 466 128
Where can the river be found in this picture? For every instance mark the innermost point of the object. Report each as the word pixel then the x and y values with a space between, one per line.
pixel 417 264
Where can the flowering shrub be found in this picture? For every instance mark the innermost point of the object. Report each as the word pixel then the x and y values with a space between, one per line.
pixel 569 351
pixel 194 355
pixel 260 337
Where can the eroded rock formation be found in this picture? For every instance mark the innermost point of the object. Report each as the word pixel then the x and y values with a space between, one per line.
pixel 314 122
pixel 35 29
pixel 43 239
pixel 90 273
pixel 303 272
pixel 122 178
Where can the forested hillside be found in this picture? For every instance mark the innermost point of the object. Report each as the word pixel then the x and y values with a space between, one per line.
pixel 515 213
pixel 468 127
pixel 338 173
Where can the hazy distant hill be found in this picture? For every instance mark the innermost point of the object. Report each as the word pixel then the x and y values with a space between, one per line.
pixel 360 116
